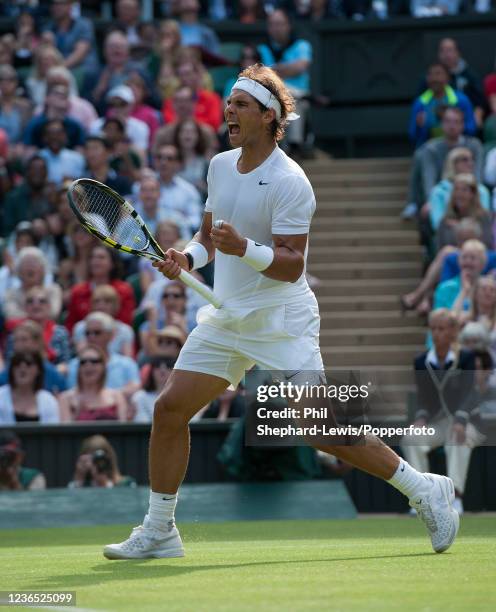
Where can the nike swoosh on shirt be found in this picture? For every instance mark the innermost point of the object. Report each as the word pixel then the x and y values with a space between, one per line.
pixel 262 183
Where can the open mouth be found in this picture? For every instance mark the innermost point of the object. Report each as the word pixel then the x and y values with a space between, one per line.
pixel 233 128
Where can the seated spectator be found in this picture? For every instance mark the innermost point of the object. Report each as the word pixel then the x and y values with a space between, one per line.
pixel 23 236
pixel 23 398
pixel 456 293
pixel 106 299
pixel 459 161
pixel 165 57
pixel 97 466
pixel 192 147
pixel 143 98
pixel 57 342
pixel 13 475
pixel 446 259
pixel 143 401
pixel 116 69
pixel 104 269
pixel 46 57
pixel 123 158
pixel 57 106
pixel 74 269
pixel 80 110
pixel 26 338
pixel 249 56
pixel 74 38
pixel 165 342
pixel 167 233
pixel 208 104
pixel 120 102
pixel 425 118
pixel 464 203
pixel 122 371
pixel 194 33
pixel 444 378
pixel 291 57
pixel 97 153
pixel 15 111
pixel 90 399
pixel 484 394
pixel 429 159
pixel 32 272
pixel 62 163
pixel 183 103
pixel 127 19
pixel 27 39
pixel 30 199
pixel 434 8
pixel 178 198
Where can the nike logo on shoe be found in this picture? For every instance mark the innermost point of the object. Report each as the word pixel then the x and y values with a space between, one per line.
pixel 402 469
pixel 262 183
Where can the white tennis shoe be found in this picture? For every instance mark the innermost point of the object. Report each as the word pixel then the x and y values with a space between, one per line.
pixel 147 543
pixel 435 509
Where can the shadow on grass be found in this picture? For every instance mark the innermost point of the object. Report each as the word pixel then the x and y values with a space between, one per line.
pixel 140 569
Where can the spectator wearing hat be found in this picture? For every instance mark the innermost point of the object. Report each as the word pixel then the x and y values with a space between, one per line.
pixel 29 199
pixel 62 163
pixel 23 399
pixel 13 475
pixel 97 153
pixel 121 371
pixel 74 38
pixel 164 342
pixel 120 102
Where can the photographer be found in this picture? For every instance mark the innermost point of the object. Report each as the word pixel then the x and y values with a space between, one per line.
pixel 97 466
pixel 13 476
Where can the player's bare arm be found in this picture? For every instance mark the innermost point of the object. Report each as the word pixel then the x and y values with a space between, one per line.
pixel 288 259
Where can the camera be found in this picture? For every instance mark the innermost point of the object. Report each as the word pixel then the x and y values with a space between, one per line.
pixel 7 458
pixel 102 462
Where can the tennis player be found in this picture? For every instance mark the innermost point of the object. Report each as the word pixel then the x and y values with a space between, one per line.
pixel 269 315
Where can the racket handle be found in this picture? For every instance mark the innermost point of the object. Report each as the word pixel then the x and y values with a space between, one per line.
pixel 199 287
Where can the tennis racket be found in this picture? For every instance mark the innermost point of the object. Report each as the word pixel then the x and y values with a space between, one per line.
pixel 109 217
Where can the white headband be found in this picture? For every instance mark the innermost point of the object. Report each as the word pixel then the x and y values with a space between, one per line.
pixel 263 95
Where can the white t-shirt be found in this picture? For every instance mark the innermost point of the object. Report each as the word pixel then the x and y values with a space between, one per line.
pixel 275 198
pixel 137 131
pixel 144 402
pixel 46 405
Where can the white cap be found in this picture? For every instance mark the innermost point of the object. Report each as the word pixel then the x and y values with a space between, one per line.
pixel 123 92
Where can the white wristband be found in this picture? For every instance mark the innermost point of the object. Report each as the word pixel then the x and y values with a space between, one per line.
pixel 258 256
pixel 199 254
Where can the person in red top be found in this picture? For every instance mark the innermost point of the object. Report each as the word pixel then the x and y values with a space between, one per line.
pixel 103 270
pixel 208 104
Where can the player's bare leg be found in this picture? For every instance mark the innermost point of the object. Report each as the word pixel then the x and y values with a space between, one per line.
pixel 184 394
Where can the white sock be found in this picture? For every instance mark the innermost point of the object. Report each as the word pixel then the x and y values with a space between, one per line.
pixel 160 511
pixel 408 481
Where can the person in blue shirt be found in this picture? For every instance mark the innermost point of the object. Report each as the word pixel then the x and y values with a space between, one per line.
pixel 425 117
pixel 291 58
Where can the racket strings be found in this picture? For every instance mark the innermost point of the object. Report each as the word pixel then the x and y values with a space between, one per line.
pixel 107 215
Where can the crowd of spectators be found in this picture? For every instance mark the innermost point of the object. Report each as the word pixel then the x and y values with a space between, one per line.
pixel 450 196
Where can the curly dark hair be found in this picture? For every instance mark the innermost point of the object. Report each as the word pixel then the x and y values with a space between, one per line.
pixel 271 81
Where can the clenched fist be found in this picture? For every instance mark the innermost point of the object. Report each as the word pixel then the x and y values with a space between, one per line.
pixel 227 240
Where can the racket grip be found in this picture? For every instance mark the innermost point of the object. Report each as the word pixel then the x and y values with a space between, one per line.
pixel 199 287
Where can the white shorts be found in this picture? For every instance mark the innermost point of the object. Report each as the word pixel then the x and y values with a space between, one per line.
pixel 275 338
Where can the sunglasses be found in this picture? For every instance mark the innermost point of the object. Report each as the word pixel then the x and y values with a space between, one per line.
pixel 93 332
pixel 40 300
pixel 93 360
pixel 176 296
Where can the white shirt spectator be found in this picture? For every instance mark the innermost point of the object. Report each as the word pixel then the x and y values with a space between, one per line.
pixel 136 130
pixel 64 164
pixel 46 406
pixel 144 403
pixel 123 335
pixel 181 197
pixel 121 370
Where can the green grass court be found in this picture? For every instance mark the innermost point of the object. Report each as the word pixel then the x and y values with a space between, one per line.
pixel 365 564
